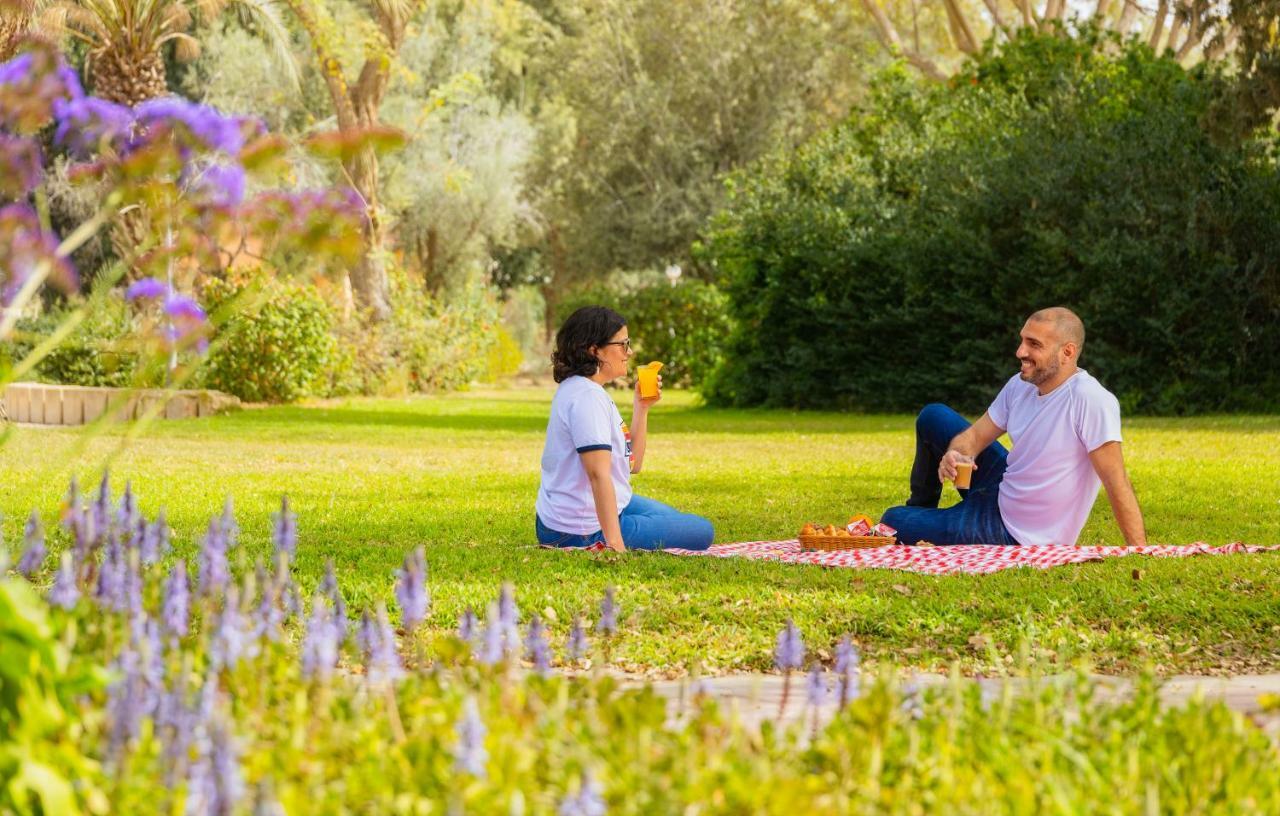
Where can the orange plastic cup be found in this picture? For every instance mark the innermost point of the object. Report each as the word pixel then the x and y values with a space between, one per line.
pixel 648 375
pixel 964 473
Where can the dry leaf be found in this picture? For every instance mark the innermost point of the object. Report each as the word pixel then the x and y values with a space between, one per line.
pixel 902 588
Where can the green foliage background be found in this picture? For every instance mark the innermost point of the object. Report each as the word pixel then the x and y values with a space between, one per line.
pixel 891 262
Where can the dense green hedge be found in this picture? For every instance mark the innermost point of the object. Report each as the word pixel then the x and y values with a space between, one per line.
pixel 684 326
pixel 891 262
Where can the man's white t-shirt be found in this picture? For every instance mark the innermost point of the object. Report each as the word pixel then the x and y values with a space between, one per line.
pixel 1050 485
pixel 583 418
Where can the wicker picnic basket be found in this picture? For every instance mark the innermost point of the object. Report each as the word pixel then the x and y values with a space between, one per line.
pixel 845 542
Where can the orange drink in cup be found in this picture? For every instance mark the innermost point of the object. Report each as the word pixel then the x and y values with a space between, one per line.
pixel 964 472
pixel 648 375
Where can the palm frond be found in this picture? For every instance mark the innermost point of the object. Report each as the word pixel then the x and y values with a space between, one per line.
pixel 187 48
pixel 271 25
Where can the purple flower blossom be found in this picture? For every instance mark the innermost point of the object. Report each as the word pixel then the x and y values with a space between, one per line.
pixel 509 617
pixel 536 648
pixel 912 700
pixel 29 86
pixel 87 123
pixel 23 164
pixel 25 249
pixel 411 589
pixel 102 505
pixel 207 127
pixel 218 185
pixel 216 782
pixel 493 645
pixel 468 626
pixel 270 613
pixel 847 672
pixel 469 753
pixel 788 654
pixel 153 540
pixel 126 701
pixel 214 572
pixel 816 686
pixel 384 661
pixel 284 529
pixel 231 640
pixel 112 588
pixel 146 289
pixel 320 645
pixel 127 515
pixel 577 645
pixel 588 801
pixel 64 593
pixel 330 589
pixel 608 623
pixel 175 605
pixel 366 635
pixel 33 553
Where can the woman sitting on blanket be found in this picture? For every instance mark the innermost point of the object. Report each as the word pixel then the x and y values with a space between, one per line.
pixel 585 497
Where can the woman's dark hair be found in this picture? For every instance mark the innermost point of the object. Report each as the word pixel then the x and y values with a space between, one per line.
pixel 587 327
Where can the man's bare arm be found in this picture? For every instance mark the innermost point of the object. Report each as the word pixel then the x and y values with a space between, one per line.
pixel 1108 462
pixel 967 445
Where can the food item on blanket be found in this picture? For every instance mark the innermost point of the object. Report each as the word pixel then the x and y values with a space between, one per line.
pixel 648 375
pixel 859 525
pixel 885 530
pixel 964 473
pixel 808 529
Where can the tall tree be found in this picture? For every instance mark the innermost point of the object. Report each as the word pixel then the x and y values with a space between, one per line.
pixel 356 102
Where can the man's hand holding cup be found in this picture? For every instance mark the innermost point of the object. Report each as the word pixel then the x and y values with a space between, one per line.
pixel 956 467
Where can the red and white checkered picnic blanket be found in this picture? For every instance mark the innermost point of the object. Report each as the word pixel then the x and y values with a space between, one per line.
pixel 974 559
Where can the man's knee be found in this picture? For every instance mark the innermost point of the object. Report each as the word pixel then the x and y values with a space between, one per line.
pixel 932 414
pixel 702 534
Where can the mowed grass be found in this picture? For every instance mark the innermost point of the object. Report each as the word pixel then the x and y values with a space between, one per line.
pixel 371 479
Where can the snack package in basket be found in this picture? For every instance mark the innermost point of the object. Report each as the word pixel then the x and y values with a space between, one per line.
pixel 885 530
pixel 859 525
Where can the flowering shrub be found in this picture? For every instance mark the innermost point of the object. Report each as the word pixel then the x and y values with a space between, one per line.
pixel 175 172
pixel 236 691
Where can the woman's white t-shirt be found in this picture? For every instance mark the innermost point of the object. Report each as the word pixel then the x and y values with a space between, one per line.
pixel 583 418
pixel 1050 484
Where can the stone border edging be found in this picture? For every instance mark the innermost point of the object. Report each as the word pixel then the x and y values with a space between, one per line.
pixel 47 404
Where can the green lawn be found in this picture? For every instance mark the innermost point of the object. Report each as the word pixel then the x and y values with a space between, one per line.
pixel 370 479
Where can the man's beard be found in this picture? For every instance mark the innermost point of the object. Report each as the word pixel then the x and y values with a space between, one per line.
pixel 1041 374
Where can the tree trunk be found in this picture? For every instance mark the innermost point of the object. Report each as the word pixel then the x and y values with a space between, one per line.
pixel 433 254
pixel 369 278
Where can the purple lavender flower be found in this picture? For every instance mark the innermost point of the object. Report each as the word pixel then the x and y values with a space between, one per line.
pixel 493 644
pixel 384 661
pixel 30 84
pixel 330 589
pixel 284 529
pixel 33 553
pixel 468 626
pixel 153 539
pixel 912 700
pixel 589 800
pixel 509 616
pixel 146 289
pixel 127 515
pixel 231 640
pixel 216 782
pixel 71 504
pixel 847 671
pixel 126 701
pixel 23 163
pixel 214 572
pixel 270 614
pixel 577 645
pixel 112 590
pixel 230 530
pixel 366 635
pixel 320 645
pixel 536 648
pixel 64 593
pixel 85 123
pixel 789 652
pixel 816 686
pixel 102 505
pixel 411 589
pixel 469 754
pixel 175 606
pixel 608 623
pixel 132 583
pixel 181 307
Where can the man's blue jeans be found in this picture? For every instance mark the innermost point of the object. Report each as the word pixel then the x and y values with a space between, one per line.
pixel 976 519
pixel 646 525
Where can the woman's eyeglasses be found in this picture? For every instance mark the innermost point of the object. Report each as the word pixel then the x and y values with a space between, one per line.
pixel 626 344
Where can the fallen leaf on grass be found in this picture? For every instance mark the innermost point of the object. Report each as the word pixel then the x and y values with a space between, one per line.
pixel 1137 575
pixel 902 588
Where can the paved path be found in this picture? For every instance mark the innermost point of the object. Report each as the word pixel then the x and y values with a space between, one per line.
pixel 758 696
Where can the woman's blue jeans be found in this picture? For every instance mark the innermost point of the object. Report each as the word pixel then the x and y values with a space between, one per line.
pixel 646 525
pixel 976 519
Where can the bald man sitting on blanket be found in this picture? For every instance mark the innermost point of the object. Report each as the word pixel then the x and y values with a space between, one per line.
pixel 1065 429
